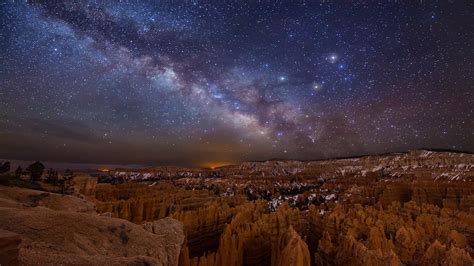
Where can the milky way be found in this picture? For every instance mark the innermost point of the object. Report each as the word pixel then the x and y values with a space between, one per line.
pixel 195 82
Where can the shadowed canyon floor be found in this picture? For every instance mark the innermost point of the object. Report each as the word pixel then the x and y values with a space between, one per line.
pixel 413 208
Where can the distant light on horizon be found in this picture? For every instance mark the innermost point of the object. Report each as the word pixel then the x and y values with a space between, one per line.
pixel 214 165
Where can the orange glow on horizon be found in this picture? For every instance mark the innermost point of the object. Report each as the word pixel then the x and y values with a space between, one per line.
pixel 214 165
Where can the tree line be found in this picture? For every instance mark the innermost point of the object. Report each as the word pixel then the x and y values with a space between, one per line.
pixel 35 171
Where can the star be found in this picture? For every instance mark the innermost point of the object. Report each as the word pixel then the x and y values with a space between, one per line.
pixel 169 83
pixel 332 58
pixel 317 86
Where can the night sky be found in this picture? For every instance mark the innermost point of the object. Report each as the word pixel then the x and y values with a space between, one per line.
pixel 195 83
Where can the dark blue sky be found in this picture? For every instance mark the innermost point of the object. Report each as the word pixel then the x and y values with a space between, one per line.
pixel 198 82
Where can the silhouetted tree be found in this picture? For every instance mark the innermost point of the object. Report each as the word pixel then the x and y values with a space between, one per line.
pixel 4 167
pixel 18 172
pixel 53 177
pixel 36 170
pixel 65 183
pixel 68 174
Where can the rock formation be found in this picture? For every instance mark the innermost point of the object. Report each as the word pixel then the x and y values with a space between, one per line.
pixel 69 238
pixel 293 250
pixel 65 229
pixel 137 203
pixel 84 184
pixel 392 236
pixel 23 197
pixel 9 248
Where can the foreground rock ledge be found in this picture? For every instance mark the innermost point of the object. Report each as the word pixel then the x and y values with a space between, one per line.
pixel 9 243
pixel 72 238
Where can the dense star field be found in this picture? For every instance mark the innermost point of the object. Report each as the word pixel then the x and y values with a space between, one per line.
pixel 194 83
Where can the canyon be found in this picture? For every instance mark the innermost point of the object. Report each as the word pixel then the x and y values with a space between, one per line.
pixel 414 208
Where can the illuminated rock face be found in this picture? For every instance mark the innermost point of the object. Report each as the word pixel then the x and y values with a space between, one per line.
pixel 139 203
pixel 255 237
pixel 293 250
pixel 172 233
pixel 204 227
pixel 390 236
pixel 85 185
pixel 356 236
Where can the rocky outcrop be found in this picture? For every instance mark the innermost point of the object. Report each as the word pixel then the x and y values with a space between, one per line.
pixel 84 184
pixel 251 238
pixel 23 197
pixel 204 227
pixel 438 254
pixel 353 252
pixel 172 232
pixel 9 248
pixel 138 202
pixel 293 250
pixel 400 234
pixel 72 238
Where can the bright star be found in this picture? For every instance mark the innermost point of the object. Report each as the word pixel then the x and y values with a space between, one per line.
pixel 332 58
pixel 317 86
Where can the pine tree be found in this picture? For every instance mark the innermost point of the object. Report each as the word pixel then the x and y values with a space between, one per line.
pixel 4 167
pixel 36 170
pixel 18 172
